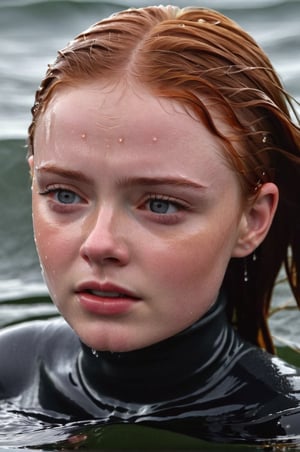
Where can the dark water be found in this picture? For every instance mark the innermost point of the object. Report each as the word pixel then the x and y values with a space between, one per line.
pixel 30 34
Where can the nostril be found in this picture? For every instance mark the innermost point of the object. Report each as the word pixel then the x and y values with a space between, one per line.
pixel 102 240
pixel 100 253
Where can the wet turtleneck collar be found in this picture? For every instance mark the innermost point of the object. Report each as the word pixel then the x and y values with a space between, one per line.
pixel 164 366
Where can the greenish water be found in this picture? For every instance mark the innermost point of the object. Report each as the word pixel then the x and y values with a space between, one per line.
pixel 132 437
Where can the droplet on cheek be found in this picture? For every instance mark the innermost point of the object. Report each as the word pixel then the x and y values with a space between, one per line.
pixel 83 136
pixel 154 139
pixel 121 140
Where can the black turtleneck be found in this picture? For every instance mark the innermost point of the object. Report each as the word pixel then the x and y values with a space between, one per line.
pixel 205 382
pixel 164 370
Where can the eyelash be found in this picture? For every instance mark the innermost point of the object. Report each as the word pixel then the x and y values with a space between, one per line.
pixel 166 218
pixel 56 190
pixel 163 218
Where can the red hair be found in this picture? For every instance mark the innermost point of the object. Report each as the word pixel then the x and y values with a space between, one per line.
pixel 201 59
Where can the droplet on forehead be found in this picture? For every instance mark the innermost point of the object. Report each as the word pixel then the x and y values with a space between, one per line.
pixel 154 139
pixel 83 136
pixel 121 140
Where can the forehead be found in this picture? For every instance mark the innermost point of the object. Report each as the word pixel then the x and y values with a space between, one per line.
pixel 110 104
pixel 105 116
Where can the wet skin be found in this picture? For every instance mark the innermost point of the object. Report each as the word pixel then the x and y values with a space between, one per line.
pixel 136 214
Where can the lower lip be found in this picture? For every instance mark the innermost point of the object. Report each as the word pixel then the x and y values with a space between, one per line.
pixel 105 306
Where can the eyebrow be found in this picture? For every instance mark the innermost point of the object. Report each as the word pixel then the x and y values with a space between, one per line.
pixel 124 182
pixel 68 174
pixel 154 181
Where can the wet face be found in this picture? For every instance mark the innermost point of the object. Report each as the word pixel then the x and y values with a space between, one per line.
pixel 136 214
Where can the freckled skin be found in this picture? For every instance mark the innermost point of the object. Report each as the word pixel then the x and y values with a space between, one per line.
pixel 172 262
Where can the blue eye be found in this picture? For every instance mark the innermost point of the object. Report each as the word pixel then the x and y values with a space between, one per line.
pixel 66 197
pixel 162 206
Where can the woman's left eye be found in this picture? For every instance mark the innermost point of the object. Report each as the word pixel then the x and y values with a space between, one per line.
pixel 66 196
pixel 162 206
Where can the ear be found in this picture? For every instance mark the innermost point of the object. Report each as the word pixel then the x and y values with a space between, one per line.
pixel 30 161
pixel 256 220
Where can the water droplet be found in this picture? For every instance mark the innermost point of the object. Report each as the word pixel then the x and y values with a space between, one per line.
pixel 154 139
pixel 95 353
pixel 83 136
pixel 121 140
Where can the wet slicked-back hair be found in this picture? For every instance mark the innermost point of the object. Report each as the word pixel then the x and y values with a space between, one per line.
pixel 205 61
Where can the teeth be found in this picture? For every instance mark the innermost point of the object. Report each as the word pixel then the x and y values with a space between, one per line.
pixel 101 293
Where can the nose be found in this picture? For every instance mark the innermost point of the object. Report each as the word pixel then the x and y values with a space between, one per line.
pixel 105 239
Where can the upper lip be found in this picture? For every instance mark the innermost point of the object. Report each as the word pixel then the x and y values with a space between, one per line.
pixel 105 287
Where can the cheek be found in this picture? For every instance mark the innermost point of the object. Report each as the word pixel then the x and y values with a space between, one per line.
pixel 52 245
pixel 197 261
pixel 55 256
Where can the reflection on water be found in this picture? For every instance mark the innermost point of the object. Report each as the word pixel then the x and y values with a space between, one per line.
pixel 21 430
pixel 40 435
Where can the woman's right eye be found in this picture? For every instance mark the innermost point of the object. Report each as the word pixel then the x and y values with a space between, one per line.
pixel 62 196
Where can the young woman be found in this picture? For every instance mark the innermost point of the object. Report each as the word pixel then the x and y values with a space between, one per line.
pixel 165 182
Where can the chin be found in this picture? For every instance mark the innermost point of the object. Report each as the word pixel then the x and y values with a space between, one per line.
pixel 109 344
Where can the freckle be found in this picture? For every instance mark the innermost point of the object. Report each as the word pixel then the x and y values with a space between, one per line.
pixel 154 139
pixel 121 140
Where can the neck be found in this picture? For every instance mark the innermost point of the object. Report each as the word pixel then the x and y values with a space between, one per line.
pixel 160 370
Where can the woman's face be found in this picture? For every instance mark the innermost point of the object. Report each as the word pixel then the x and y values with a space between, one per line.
pixel 136 214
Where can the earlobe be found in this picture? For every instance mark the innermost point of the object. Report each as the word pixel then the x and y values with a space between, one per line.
pixel 256 220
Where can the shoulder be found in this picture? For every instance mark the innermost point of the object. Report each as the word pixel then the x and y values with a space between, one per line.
pixel 24 346
pixel 34 334
pixel 270 378
pixel 266 366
